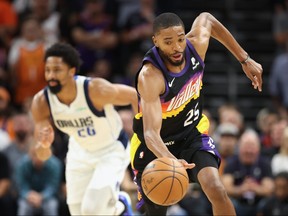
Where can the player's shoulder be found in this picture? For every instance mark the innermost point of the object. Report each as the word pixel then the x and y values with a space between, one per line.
pixel 39 99
pixel 148 69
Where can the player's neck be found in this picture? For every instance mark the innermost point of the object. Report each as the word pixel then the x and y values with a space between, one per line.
pixel 68 94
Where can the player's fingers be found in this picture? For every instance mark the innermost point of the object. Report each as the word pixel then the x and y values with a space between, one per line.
pixel 189 165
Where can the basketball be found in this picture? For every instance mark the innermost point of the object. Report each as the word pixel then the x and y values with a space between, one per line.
pixel 165 181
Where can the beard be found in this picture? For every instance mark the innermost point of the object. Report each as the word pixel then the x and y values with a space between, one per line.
pixel 56 88
pixel 167 58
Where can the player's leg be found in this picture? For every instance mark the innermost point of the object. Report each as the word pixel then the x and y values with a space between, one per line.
pixel 206 173
pixel 102 194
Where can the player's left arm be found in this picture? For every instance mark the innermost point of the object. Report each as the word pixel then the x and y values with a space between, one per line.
pixel 206 26
pixel 110 93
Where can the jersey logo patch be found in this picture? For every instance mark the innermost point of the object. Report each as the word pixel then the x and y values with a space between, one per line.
pixel 171 83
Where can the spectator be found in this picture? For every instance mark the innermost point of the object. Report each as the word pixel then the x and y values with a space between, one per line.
pixel 247 176
pixel 26 61
pixel 276 138
pixel 44 11
pixel 280 26
pixel 279 161
pixel 231 114
pixel 277 204
pixel 8 23
pixel 266 118
pixel 136 32
pixel 38 182
pixel 23 128
pixel 6 205
pixel 227 143
pixel 277 85
pixel 94 35
pixel 6 122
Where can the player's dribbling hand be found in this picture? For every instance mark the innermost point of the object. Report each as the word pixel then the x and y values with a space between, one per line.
pixel 253 71
pixel 186 165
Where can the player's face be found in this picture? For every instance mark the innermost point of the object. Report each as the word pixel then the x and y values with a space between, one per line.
pixel 171 43
pixel 57 73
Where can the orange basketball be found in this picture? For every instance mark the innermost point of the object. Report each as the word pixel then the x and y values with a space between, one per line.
pixel 165 181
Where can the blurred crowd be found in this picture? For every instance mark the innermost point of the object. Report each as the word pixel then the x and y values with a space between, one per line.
pixel 112 36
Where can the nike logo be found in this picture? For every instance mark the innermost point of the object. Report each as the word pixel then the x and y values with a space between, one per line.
pixel 171 83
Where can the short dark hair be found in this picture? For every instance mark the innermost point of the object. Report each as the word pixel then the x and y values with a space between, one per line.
pixel 68 53
pixel 166 20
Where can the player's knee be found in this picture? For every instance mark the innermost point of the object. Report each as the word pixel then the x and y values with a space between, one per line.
pixel 215 191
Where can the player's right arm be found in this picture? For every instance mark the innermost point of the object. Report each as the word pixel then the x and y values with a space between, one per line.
pixel 43 133
pixel 150 86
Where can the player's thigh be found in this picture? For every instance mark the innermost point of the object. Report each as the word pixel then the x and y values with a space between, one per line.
pixel 202 159
pixel 77 180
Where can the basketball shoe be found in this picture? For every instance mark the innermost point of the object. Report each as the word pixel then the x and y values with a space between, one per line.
pixel 126 200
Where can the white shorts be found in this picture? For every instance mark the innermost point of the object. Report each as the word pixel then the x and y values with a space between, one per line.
pixel 94 170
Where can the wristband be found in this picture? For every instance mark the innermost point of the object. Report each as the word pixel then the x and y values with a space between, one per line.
pixel 245 61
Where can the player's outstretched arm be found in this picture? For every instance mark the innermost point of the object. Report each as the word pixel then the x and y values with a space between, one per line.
pixel 104 92
pixel 206 26
pixel 43 132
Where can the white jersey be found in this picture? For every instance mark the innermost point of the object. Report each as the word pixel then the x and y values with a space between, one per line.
pixel 90 128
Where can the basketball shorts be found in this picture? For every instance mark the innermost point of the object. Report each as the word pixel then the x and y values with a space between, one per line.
pixel 94 170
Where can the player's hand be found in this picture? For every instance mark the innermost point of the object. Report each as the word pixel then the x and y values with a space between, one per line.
pixel 44 136
pixel 186 165
pixel 253 71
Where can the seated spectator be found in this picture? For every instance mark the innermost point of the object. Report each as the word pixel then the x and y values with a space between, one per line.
pixel 276 204
pixel 6 122
pixel 279 161
pixel 226 143
pixel 6 206
pixel 266 118
pixel 247 176
pixel 231 114
pixel 277 131
pixel 38 182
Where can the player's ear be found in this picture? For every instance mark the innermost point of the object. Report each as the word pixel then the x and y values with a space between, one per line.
pixel 72 71
pixel 155 41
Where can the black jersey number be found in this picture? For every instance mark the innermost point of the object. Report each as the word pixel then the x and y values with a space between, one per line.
pixel 193 115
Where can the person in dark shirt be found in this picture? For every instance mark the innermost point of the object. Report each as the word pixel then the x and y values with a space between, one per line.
pixel 277 204
pixel 247 176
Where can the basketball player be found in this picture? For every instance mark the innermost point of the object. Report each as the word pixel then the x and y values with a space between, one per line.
pixel 83 108
pixel 170 122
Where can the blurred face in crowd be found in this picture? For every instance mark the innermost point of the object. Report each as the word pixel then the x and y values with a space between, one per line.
pixel 23 127
pixel 277 131
pixel 31 30
pixel 227 144
pixel 281 188
pixel 249 148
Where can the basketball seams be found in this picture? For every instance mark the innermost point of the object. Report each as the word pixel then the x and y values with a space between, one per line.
pixel 172 183
pixel 156 185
